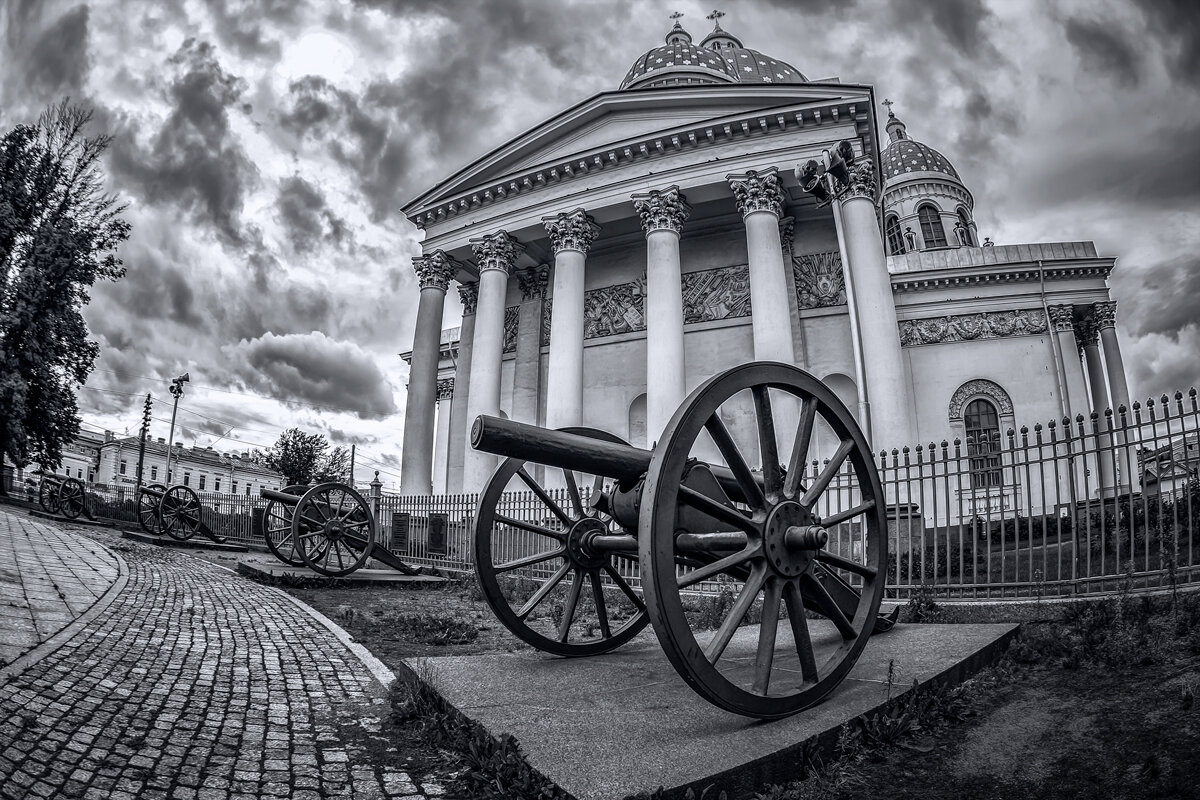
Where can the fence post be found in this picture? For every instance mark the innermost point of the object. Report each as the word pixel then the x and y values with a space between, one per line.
pixel 376 497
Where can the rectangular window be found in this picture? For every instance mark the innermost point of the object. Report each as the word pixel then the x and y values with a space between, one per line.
pixel 122 466
pixel 154 473
pixel 247 490
pixel 202 477
pixel 187 479
pixel 235 487
pixel 216 484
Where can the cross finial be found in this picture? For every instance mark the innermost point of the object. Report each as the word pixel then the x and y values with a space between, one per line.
pixel 889 105
pixel 715 16
pixel 677 16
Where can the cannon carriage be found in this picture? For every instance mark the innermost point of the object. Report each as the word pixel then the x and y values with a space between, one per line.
pixel 63 495
pixel 175 511
pixel 329 528
pixel 797 547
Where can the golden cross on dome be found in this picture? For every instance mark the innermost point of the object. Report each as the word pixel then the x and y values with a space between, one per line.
pixel 716 17
pixel 889 105
pixel 676 16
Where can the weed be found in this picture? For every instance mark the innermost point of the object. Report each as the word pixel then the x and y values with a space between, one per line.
pixel 921 606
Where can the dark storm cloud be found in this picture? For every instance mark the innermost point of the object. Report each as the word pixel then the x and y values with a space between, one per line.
pixel 313 368
pixel 194 160
pixel 1102 48
pixel 306 216
pixel 55 60
pixel 959 22
pixel 1177 21
pixel 248 25
pixel 1162 297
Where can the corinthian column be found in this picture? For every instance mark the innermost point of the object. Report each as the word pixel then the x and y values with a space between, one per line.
pixel 456 456
pixel 571 235
pixel 1087 334
pixel 1105 315
pixel 760 200
pixel 879 331
pixel 1062 320
pixel 495 256
pixel 416 462
pixel 662 213
pixel 527 364
pixel 441 441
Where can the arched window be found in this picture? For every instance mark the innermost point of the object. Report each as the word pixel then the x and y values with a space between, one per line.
pixel 931 226
pixel 895 239
pixel 983 443
pixel 964 219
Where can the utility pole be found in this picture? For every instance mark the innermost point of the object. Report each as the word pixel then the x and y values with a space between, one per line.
pixel 176 390
pixel 145 431
pixel 352 446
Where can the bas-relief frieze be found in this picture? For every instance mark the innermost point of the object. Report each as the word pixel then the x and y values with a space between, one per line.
pixel 711 294
pixel 512 317
pixel 969 327
pixel 819 279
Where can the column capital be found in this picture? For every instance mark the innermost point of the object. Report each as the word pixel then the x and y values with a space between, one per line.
pixel 533 281
pixel 469 294
pixel 861 182
pixel 662 209
pixel 1086 332
pixel 757 191
pixel 1105 314
pixel 1062 317
pixel 445 388
pixel 435 270
pixel 571 230
pixel 497 251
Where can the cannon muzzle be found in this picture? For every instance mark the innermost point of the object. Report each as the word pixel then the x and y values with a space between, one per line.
pixel 572 451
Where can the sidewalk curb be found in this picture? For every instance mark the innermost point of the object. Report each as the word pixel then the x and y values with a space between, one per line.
pixel 31 657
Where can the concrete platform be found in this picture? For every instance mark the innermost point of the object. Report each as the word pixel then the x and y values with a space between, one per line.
pixel 615 725
pixel 362 577
pixel 197 542
pixel 80 520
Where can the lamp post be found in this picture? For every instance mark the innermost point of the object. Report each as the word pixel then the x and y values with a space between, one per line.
pixel 176 390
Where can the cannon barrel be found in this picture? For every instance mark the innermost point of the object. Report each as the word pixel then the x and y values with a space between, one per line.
pixel 279 497
pixel 503 437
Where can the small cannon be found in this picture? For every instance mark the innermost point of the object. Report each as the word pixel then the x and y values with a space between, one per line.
pixel 328 528
pixel 759 541
pixel 66 496
pixel 175 511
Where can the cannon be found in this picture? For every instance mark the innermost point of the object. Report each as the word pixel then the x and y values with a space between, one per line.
pixel 328 528
pixel 173 510
pixel 63 495
pixel 785 561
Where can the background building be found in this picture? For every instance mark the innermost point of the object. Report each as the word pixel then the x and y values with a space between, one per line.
pixel 202 469
pixel 618 254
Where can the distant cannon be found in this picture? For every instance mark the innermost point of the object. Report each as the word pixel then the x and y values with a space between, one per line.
pixel 175 511
pixel 63 495
pixel 758 540
pixel 328 528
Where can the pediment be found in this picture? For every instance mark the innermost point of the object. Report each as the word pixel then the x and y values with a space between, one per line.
pixel 615 119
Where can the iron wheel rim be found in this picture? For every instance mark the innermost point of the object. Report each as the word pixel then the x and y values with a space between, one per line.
pixel 319 543
pixel 72 498
pixel 147 505
pixel 277 520
pixel 180 511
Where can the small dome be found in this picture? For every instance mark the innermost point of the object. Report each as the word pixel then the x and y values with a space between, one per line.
pixel 904 155
pixel 751 66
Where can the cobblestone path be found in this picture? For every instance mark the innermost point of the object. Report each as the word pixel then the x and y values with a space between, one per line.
pixel 195 683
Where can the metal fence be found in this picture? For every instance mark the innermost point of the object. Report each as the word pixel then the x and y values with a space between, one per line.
pixel 233 516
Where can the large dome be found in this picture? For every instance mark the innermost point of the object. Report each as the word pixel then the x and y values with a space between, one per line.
pixel 904 155
pixel 720 58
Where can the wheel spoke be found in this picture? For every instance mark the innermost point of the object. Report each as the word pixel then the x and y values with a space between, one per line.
pixel 319 507
pixel 849 513
pixel 799 460
pixel 601 608
pixel 537 558
pixel 804 649
pixel 766 637
pixel 718 566
pixel 625 588
pixel 828 473
pixel 529 526
pixel 740 606
pixel 767 446
pixel 840 562
pixel 828 606
pixel 564 627
pixel 544 590
pixel 737 463
pixel 717 510
pixel 545 498
pixel 573 492
pixel 337 549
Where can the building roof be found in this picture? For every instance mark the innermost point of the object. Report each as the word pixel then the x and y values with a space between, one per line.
pixel 202 456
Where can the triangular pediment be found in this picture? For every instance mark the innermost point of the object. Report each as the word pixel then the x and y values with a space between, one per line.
pixel 616 119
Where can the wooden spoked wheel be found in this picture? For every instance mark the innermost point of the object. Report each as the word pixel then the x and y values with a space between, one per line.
pixel 147 508
pixel 180 510
pixel 277 528
pixel 537 574
pixel 333 529
pixel 72 498
pixel 783 540
pixel 48 496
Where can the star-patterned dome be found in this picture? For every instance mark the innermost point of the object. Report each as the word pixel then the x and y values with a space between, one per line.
pixel 720 58
pixel 904 155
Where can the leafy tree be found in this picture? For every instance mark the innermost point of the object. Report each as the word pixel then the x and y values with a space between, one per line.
pixel 59 232
pixel 305 458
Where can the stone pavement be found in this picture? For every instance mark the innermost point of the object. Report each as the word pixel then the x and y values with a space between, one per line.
pixel 192 682
pixel 48 579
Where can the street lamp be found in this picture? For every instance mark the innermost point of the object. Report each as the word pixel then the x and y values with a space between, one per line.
pixel 176 390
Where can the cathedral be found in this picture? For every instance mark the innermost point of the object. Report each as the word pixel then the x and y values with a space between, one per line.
pixel 615 256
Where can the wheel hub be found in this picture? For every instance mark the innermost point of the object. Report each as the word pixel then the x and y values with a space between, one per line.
pixel 333 530
pixel 787 560
pixel 579 538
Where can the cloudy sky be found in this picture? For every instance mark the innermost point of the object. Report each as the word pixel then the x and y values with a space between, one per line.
pixel 266 146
